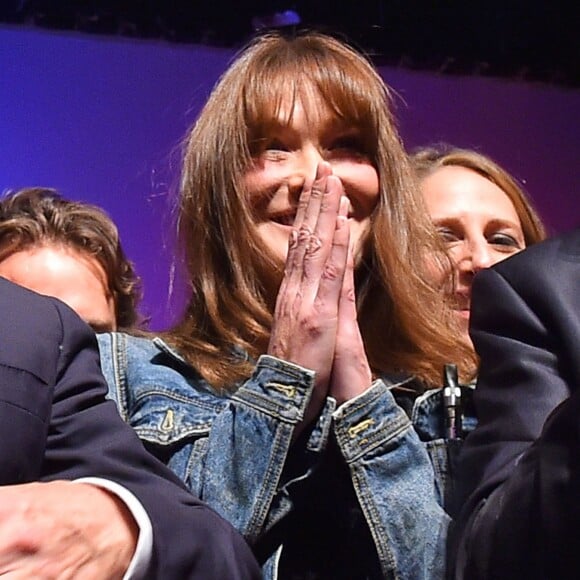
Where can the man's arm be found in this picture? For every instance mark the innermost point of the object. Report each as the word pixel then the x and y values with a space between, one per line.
pixel 85 437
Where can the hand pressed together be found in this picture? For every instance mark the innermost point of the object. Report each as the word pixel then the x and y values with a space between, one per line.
pixel 315 323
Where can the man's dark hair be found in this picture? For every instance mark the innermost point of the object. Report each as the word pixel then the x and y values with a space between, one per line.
pixel 37 216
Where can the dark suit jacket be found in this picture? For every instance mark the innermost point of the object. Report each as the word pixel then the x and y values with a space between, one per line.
pixel 56 424
pixel 519 471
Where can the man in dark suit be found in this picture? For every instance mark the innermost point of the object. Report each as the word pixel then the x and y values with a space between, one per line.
pixel 55 425
pixel 519 471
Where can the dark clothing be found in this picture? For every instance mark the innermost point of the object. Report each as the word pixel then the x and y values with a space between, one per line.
pixel 56 424
pixel 519 471
pixel 327 534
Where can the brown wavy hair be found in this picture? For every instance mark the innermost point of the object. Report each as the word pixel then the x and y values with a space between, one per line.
pixel 38 216
pixel 404 321
pixel 427 160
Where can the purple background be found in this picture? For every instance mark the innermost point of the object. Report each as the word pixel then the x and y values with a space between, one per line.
pixel 101 120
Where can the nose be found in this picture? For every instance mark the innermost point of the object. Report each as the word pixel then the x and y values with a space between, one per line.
pixel 304 167
pixel 476 256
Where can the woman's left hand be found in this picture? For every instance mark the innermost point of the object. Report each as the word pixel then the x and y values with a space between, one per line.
pixel 351 373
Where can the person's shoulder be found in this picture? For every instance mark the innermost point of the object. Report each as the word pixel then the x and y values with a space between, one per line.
pixel 22 305
pixel 32 330
pixel 145 356
pixel 134 346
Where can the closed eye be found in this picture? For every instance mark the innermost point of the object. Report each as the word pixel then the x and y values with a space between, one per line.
pixel 503 239
pixel 448 235
pixel 265 145
pixel 347 146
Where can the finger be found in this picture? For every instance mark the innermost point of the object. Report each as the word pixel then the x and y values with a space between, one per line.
pixel 306 241
pixel 303 203
pixel 301 238
pixel 317 191
pixel 347 304
pixel 293 260
pixel 294 257
pixel 321 241
pixel 331 282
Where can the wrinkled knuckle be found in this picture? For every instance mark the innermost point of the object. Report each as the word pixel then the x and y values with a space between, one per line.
pixel 293 239
pixel 24 541
pixel 325 204
pixel 314 244
pixel 331 272
pixel 311 325
pixel 304 233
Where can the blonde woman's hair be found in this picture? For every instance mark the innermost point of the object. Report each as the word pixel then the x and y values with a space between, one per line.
pixel 427 160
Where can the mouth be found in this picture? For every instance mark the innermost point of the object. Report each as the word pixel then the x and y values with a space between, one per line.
pixel 462 303
pixel 284 218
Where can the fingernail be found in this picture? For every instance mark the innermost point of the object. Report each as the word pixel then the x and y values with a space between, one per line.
pixel 341 221
pixel 322 169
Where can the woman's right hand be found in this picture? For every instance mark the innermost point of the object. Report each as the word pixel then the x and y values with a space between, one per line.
pixel 306 316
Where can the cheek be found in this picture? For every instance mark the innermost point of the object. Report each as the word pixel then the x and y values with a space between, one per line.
pixel 254 183
pixel 262 176
pixel 435 272
pixel 275 238
pixel 358 231
pixel 92 306
pixel 457 253
pixel 370 178
pixel 361 181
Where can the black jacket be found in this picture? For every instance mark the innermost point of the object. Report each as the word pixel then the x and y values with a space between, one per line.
pixel 519 471
pixel 56 424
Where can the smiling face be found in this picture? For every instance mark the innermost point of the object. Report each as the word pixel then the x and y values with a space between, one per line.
pixel 287 155
pixel 76 279
pixel 478 223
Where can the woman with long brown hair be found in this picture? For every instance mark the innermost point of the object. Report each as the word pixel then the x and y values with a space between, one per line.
pixel 284 396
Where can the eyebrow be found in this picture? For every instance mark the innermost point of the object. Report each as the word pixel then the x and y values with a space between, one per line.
pixel 495 222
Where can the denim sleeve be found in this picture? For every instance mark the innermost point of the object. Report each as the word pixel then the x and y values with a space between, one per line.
pixel 394 481
pixel 249 443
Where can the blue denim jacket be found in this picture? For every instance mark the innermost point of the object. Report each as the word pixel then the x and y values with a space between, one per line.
pixel 230 449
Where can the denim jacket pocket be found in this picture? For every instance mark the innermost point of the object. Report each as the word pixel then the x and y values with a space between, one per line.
pixel 171 415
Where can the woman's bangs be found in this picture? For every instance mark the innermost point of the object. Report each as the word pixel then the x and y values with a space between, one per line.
pixel 350 95
pixel 346 88
pixel 264 100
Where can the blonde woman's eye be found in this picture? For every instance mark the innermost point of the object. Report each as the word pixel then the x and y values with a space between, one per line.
pixel 505 240
pixel 447 235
